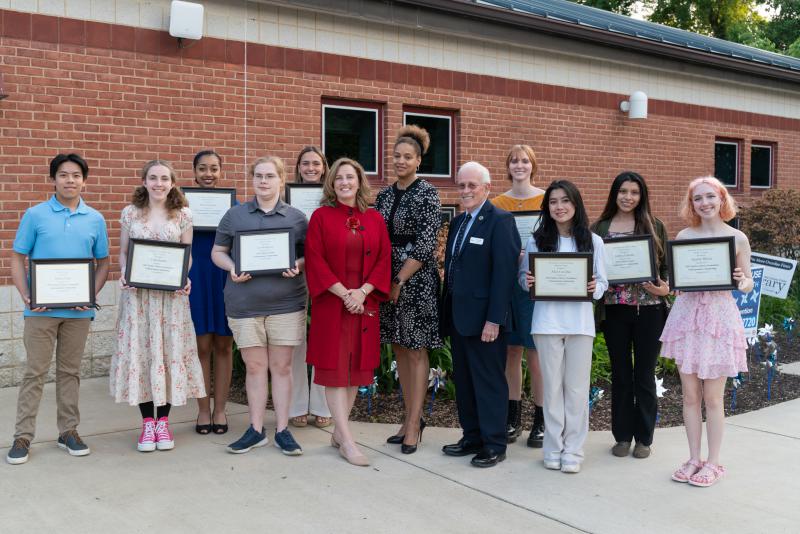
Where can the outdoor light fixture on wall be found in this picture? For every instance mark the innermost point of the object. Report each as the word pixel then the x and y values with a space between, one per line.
pixel 185 21
pixel 636 106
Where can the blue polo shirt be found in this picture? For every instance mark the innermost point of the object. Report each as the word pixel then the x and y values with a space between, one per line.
pixel 49 230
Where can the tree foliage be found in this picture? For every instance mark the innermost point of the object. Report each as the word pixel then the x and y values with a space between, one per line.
pixel 772 223
pixel 733 20
pixel 623 7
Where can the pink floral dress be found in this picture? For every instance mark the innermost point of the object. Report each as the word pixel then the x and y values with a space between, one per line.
pixel 156 357
pixel 704 334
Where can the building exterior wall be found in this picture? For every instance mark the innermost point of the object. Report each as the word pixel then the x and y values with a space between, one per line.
pixel 122 94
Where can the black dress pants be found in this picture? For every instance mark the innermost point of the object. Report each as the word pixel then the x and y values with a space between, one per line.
pixel 479 374
pixel 633 388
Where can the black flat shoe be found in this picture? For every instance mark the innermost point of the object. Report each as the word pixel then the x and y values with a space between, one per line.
pixel 462 448
pixel 219 429
pixel 487 458
pixel 203 430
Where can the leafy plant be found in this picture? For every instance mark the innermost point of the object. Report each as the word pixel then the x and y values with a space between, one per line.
pixel 601 362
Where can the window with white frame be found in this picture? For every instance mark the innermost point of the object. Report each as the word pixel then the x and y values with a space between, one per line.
pixel 439 162
pixel 761 165
pixel 726 162
pixel 352 129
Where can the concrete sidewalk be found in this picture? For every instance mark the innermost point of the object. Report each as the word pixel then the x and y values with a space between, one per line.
pixel 198 487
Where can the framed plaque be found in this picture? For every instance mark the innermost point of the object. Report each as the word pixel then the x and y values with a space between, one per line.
pixel 702 264
pixel 448 213
pixel 155 264
pixel 208 205
pixel 527 222
pixel 561 275
pixel 62 283
pixel 264 251
pixel 305 197
pixel 630 259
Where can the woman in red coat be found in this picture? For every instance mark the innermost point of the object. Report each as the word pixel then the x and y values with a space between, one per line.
pixel 348 269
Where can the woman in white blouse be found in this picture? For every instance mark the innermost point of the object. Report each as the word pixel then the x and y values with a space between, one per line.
pixel 564 331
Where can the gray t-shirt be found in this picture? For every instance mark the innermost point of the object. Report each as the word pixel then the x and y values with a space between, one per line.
pixel 270 294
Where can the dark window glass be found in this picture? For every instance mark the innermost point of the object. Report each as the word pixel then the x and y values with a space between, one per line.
pixel 760 166
pixel 726 162
pixel 351 133
pixel 438 159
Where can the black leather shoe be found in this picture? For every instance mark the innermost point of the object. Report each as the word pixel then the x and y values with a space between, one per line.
pixel 462 448
pixel 397 439
pixel 488 458
pixel 536 437
pixel 514 420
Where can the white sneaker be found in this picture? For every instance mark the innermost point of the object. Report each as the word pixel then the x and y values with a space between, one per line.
pixel 571 468
pixel 552 464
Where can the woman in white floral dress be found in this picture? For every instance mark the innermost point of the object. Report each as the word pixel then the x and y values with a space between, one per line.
pixel 155 364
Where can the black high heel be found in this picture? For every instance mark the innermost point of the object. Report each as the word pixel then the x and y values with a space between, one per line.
pixel 411 449
pixel 396 439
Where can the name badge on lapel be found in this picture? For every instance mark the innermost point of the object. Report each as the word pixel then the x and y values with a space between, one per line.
pixel 476 241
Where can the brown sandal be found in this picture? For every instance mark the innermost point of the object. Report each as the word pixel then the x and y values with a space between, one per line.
pixel 322 422
pixel 300 421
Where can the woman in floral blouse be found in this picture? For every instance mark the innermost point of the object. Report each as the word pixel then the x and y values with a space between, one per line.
pixel 633 315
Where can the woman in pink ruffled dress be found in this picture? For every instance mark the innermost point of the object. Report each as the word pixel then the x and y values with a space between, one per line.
pixel 704 333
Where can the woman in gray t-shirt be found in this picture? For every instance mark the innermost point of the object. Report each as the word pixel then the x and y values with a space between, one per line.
pixel 267 313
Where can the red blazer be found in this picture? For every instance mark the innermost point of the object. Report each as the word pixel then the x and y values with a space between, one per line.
pixel 324 256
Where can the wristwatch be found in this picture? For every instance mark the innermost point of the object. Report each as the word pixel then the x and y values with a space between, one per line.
pixel 396 280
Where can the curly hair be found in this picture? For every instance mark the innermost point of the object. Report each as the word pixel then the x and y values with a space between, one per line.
pixel 328 192
pixel 416 137
pixel 727 208
pixel 175 199
pixel 525 150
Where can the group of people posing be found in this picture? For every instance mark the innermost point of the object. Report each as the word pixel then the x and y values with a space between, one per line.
pixel 371 276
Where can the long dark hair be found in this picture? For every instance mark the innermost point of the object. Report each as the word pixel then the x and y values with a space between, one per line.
pixel 645 223
pixel 546 235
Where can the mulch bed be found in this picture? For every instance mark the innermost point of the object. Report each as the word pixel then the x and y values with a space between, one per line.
pixel 751 395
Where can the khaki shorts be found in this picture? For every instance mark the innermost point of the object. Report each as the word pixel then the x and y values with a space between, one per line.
pixel 284 329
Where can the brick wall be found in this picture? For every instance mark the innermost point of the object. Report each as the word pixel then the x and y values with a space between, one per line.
pixel 121 96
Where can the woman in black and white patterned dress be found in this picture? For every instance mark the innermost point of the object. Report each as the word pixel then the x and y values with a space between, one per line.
pixel 410 320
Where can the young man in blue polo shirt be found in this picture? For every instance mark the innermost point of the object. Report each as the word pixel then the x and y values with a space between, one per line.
pixel 62 227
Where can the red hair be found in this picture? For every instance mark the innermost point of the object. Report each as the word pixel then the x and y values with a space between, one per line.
pixel 727 208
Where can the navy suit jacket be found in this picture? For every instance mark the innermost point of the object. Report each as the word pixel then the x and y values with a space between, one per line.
pixel 484 273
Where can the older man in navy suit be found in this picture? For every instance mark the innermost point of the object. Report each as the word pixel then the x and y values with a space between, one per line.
pixel 480 269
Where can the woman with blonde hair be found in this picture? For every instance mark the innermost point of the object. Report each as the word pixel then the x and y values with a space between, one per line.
pixel 704 332
pixel 523 196
pixel 155 365
pixel 267 313
pixel 348 260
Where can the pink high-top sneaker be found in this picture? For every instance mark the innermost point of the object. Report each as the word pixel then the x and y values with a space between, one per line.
pixel 147 439
pixel 164 440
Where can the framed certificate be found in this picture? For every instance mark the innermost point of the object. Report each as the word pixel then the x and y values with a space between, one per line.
pixel 448 213
pixel 264 251
pixel 208 205
pixel 561 275
pixel 62 283
pixel 527 222
pixel 702 264
pixel 305 197
pixel 630 259
pixel 154 264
